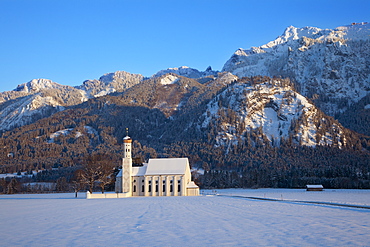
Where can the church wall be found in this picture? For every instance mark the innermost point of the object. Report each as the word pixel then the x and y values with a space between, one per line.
pixel 105 195
pixel 118 185
pixel 138 186
pixel 161 185
pixel 192 191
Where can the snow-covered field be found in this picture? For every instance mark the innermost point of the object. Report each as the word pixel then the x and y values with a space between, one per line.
pixel 208 220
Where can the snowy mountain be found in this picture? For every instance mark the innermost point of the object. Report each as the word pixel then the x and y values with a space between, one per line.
pixel 110 83
pixel 272 110
pixel 37 85
pixel 41 98
pixel 331 67
pixel 34 100
pixel 188 72
pixel 26 110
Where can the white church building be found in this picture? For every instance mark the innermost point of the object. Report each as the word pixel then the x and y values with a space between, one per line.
pixel 159 177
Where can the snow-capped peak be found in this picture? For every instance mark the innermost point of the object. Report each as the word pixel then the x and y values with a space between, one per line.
pixel 293 33
pixel 37 85
pixel 332 63
pixel 111 82
pixel 355 31
pixel 119 76
pixel 187 72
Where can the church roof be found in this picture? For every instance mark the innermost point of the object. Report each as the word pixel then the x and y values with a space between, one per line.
pixel 138 170
pixel 127 139
pixel 165 166
pixel 192 185
pixel 119 173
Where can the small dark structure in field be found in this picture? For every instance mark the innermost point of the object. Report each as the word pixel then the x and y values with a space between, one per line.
pixel 314 187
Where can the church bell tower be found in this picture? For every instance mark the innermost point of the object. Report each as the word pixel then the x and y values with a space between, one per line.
pixel 126 165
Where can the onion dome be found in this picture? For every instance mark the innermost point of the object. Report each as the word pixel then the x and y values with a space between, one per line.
pixel 127 139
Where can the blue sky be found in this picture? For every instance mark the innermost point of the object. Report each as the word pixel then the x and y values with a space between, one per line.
pixel 71 41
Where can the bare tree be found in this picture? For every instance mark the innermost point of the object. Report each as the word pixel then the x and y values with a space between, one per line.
pixel 105 177
pixel 97 168
pixel 77 181
pixel 61 184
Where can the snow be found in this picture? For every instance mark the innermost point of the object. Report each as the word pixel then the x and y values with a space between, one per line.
pixel 367 106
pixel 271 125
pixel 355 31
pixel 186 71
pixel 136 171
pixel 314 186
pixel 167 166
pixel 272 107
pixel 62 220
pixel 91 130
pixel 293 33
pixel 339 196
pixel 15 175
pixel 37 85
pixel 169 79
pixel 58 133
pixel 65 132
pixel 8 175
pixel 329 62
pixel 105 92
pixel 24 109
pixel 78 134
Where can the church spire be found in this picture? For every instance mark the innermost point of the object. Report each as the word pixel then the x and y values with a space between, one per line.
pixel 127 145
pixel 126 164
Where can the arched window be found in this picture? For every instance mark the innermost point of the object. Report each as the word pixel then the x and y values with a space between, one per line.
pixel 134 190
pixel 142 188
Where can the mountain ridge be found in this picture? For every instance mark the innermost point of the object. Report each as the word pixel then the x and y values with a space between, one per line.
pixel 331 67
pixel 220 120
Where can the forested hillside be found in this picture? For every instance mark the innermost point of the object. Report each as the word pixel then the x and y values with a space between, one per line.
pixel 168 120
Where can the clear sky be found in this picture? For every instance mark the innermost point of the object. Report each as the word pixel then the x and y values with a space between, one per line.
pixel 71 41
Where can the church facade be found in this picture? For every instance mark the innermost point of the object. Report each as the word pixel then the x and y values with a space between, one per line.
pixel 159 177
